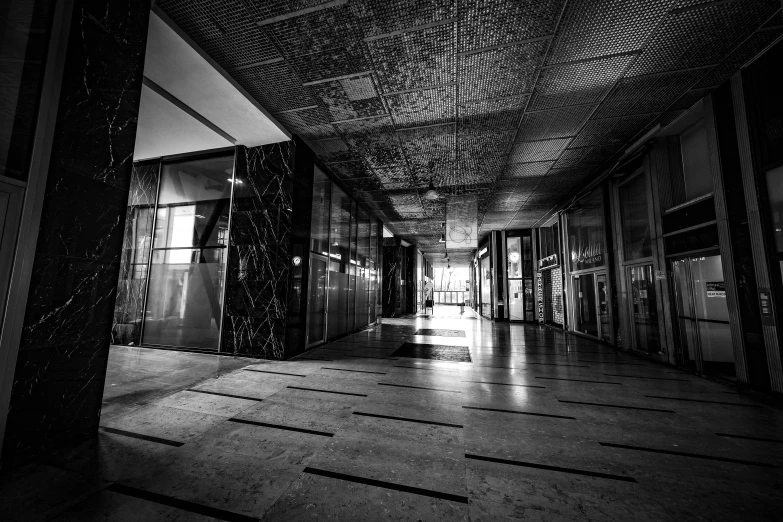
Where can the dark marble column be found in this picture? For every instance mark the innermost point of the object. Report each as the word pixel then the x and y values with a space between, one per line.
pixel 410 280
pixel 257 275
pixel 136 243
pixel 61 366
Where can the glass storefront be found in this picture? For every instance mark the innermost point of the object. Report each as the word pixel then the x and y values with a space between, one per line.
pixel 344 259
pixel 174 271
pixel 519 270
pixel 703 316
pixel 587 252
pixel 486 287
pixel 644 309
pixel 185 292
pixel 635 219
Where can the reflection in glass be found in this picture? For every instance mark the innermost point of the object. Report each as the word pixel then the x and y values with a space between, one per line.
pixel 185 297
pixel 340 227
pixel 319 225
pixel 316 320
pixel 372 268
pixel 516 300
pixel 645 312
pixel 486 288
pixel 586 320
pixel 704 316
pixel 603 306
pixel 586 234
pixel 363 270
pixel 775 195
pixel 635 219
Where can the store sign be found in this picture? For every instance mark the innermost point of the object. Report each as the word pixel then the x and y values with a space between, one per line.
pixel 547 262
pixel 296 261
pixel 587 256
pixel 540 292
pixel 461 222
pixel 716 289
pixel 765 306
pixel 482 251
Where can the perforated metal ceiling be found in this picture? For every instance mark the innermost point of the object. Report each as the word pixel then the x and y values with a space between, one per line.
pixel 517 101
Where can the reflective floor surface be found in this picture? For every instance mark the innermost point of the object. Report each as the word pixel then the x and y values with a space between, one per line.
pixel 531 424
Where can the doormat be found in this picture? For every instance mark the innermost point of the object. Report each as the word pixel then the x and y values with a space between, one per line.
pixel 441 333
pixel 438 352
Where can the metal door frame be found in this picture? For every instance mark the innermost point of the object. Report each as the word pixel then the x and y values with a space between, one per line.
pixel 326 301
pixel 628 267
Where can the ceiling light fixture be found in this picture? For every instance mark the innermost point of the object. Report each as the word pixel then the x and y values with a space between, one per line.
pixel 431 193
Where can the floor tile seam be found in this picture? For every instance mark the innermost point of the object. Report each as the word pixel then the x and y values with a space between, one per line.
pixel 183 505
pixel 687 454
pixel 535 465
pixel 621 406
pixel 275 373
pixel 283 427
pixel 748 437
pixel 758 406
pixel 221 394
pixel 462 499
pixel 518 412
pixel 142 436
pixel 417 387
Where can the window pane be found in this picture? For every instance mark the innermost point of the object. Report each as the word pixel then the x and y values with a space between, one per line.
pixel 319 229
pixel 338 270
pixel 514 254
pixel 185 297
pixel 775 194
pixel 696 161
pixel 635 219
pixel 586 234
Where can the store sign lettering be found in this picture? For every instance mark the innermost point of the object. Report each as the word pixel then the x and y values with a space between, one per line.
pixel 540 291
pixel 590 254
pixel 548 262
pixel 716 289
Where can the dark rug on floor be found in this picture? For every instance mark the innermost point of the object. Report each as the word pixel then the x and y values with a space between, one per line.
pixel 439 352
pixel 441 333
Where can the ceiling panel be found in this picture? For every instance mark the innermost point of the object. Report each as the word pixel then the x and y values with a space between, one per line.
pixel 502 99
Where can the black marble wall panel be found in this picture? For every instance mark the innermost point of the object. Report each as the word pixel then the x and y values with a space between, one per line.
pixel 60 371
pixel 390 281
pixel 136 243
pixel 257 274
pixel 410 280
pixel 301 218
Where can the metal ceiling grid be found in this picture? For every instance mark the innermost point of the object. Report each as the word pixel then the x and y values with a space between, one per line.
pixel 749 49
pixel 497 73
pixel 554 123
pixel 525 170
pixel 315 31
pixel 591 29
pixel 487 23
pixel 333 69
pixel 578 83
pixel 425 107
pixel 610 131
pixel 225 30
pixel 646 94
pixel 288 92
pixel 430 152
pixel 381 17
pixel 415 59
pixel 332 63
pixel 349 98
pixel 332 149
pixel 701 35
pixel 309 123
pixel 542 150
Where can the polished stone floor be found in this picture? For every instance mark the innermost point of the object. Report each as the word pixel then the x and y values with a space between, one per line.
pixel 534 425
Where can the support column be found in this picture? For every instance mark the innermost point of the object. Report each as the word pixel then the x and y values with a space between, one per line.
pixel 71 276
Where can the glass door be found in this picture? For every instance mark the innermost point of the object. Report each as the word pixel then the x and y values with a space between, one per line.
pixel 316 302
pixel 602 296
pixel 644 310
pixel 585 313
pixel 705 333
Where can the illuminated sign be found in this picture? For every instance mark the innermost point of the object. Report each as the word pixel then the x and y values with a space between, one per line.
pixel 547 262
pixel 296 260
pixel 482 251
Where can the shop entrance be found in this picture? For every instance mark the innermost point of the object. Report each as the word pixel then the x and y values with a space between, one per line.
pixel 316 302
pixel 585 307
pixel 704 340
pixel 644 309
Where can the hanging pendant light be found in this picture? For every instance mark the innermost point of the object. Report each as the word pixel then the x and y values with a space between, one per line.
pixel 431 193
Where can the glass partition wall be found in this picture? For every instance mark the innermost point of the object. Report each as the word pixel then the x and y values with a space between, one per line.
pixel 343 260
pixel 177 248
pixel 184 302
